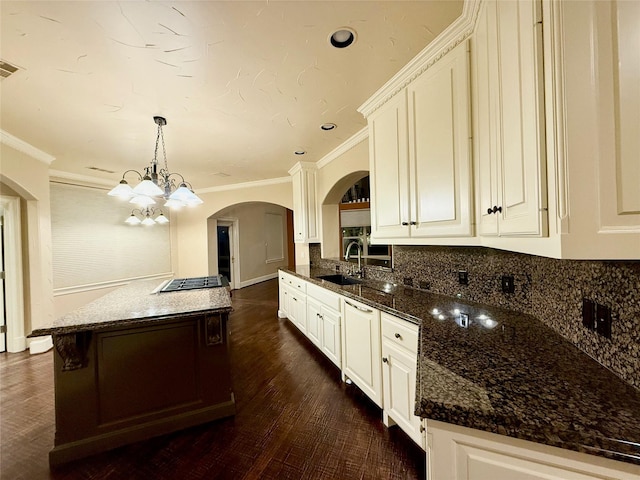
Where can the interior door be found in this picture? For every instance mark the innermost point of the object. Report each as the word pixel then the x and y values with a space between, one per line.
pixel 224 252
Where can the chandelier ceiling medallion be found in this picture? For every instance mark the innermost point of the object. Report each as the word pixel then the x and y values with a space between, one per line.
pixel 155 185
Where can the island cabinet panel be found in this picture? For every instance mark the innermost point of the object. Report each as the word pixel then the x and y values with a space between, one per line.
pixel 139 380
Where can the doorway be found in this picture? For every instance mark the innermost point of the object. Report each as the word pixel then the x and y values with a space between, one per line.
pixel 3 322
pixel 227 243
pixel 11 292
pixel 224 252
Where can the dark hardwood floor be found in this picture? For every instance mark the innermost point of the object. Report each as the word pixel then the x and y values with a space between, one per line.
pixel 295 418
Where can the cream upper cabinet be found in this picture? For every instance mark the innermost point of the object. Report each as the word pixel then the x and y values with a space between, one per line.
pixel 389 169
pixel 509 119
pixel 592 93
pixel 305 203
pixel 420 156
pixel 440 187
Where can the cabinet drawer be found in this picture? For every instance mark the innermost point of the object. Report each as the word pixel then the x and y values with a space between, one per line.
pixel 400 332
pixel 328 299
pixel 293 282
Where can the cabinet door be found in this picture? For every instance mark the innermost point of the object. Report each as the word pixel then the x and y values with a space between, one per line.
pixel 484 66
pixel 361 348
pixel 522 155
pixel 460 453
pixel 399 387
pixel 314 321
pixel 297 309
pixel 330 336
pixel 305 217
pixel 440 153
pixel 508 119
pixel 389 169
pixel 298 208
pixel 282 298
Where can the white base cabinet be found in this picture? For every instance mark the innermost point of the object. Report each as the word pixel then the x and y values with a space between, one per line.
pixel 361 349
pixel 293 300
pixel 460 453
pixel 323 322
pixel 399 368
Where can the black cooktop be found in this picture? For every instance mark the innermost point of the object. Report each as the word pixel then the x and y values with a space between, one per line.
pixel 180 284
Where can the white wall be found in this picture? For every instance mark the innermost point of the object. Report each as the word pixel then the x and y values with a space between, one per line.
pixel 332 181
pixel 252 236
pixel 192 224
pixel 29 178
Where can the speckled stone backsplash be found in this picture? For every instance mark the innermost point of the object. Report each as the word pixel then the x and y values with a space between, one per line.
pixel 552 290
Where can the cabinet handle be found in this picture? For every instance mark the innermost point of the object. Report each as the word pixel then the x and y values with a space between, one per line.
pixel 397 335
pixel 362 309
pixel 385 360
pixel 413 223
pixel 404 224
pixel 496 209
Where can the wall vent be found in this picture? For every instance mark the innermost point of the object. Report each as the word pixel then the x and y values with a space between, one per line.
pixel 6 69
pixel 98 169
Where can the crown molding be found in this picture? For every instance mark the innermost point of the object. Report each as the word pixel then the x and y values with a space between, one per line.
pixel 344 147
pixel 451 37
pixel 81 180
pixel 239 186
pixel 26 148
pixel 302 166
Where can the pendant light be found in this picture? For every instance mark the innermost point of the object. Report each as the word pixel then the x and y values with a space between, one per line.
pixel 157 183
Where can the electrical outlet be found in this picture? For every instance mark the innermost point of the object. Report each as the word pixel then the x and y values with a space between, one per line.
pixel 408 281
pixel 589 313
pixel 424 285
pixel 463 277
pixel 603 320
pixel 508 285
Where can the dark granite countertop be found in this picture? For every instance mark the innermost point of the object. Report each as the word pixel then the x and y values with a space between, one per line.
pixel 136 303
pixel 506 372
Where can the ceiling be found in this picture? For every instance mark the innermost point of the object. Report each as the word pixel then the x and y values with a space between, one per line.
pixel 242 84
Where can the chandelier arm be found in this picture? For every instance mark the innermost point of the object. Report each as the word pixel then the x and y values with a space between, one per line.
pixel 135 171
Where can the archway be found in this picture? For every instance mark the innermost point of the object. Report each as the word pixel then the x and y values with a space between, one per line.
pixel 249 242
pixel 331 247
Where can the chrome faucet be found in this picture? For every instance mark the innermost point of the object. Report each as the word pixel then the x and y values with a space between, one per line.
pixel 347 255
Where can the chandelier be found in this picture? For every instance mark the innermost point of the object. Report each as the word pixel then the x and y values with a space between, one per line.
pixel 155 185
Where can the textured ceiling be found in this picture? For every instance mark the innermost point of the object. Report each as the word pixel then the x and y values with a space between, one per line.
pixel 242 84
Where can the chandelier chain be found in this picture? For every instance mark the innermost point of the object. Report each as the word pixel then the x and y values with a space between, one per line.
pixel 164 151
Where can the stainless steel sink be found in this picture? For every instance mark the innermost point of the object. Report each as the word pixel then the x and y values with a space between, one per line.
pixel 340 279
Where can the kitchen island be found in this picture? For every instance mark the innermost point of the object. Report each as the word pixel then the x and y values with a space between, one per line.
pixel 136 364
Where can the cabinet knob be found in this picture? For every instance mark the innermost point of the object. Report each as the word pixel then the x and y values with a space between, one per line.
pixel 385 359
pixel 397 335
pixel 422 429
pixel 404 224
pixel 489 211
pixel 413 223
pixel 496 209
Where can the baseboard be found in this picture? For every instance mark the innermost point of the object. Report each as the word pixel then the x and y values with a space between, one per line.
pixel 40 345
pixel 253 281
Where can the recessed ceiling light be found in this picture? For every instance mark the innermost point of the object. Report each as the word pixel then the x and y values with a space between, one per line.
pixel 342 37
pixel 300 152
pixel 328 126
